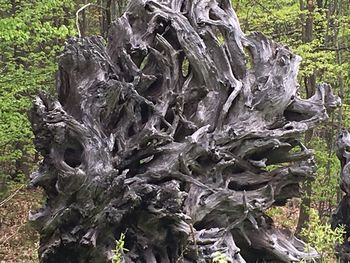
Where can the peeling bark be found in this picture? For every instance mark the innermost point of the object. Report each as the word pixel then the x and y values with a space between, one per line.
pixel 179 132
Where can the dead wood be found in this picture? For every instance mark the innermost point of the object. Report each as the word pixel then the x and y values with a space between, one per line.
pixel 180 132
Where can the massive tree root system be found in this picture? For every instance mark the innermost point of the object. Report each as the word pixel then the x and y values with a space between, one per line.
pixel 180 132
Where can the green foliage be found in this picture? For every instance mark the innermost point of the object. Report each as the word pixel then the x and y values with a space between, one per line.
pixel 31 36
pixel 322 260
pixel 328 167
pixel 219 258
pixel 322 237
pixel 281 217
pixel 119 249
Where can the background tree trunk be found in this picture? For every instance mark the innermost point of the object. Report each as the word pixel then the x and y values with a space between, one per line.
pixel 170 135
pixel 84 20
pixel 310 88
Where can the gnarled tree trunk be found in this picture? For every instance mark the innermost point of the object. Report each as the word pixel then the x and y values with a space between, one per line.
pixel 341 216
pixel 179 132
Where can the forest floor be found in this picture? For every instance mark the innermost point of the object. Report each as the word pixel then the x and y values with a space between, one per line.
pixel 19 242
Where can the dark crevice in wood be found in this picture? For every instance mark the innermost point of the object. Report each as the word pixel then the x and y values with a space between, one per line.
pixel 237 186
pixel 73 154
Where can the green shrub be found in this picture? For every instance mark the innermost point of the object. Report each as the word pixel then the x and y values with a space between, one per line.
pixel 321 237
pixel 219 258
pixel 119 249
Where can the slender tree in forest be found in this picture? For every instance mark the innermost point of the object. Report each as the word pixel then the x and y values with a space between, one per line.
pixel 310 87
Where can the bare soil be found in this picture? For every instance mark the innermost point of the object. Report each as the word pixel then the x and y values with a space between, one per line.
pixel 19 242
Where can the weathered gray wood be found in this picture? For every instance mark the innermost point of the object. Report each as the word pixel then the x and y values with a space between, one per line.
pixel 342 214
pixel 184 161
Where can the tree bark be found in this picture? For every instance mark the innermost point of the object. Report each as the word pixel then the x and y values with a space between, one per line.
pixel 84 21
pixel 184 162
pixel 106 19
pixel 310 88
pixel 341 216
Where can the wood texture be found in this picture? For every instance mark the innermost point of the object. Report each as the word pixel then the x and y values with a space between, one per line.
pixel 341 216
pixel 179 132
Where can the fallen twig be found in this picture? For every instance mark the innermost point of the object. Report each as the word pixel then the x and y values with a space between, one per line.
pixel 11 196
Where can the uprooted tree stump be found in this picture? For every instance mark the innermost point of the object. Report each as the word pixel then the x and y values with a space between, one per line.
pixel 341 216
pixel 179 132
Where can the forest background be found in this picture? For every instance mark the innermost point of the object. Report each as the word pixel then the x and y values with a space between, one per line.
pixel 32 35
